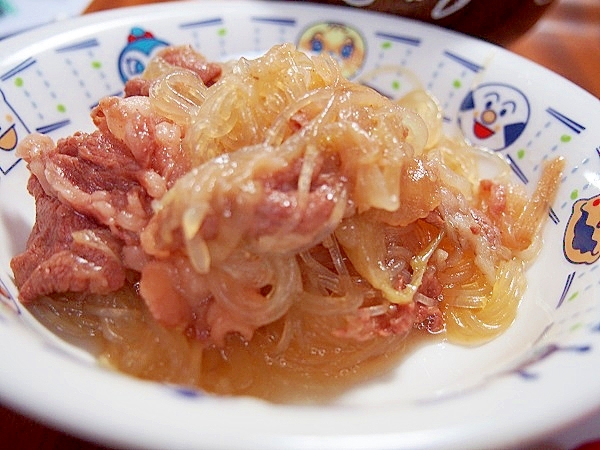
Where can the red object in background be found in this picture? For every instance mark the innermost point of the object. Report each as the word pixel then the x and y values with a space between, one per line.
pixel 595 445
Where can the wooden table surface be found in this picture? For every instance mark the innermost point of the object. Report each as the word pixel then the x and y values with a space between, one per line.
pixel 566 40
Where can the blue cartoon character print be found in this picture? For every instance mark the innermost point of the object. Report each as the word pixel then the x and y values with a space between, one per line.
pixel 582 235
pixel 11 129
pixel 493 115
pixel 141 47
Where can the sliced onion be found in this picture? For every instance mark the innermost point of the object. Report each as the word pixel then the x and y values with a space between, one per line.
pixel 177 96
pixel 245 301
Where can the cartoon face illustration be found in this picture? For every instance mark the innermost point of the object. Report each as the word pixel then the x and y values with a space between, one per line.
pixel 8 138
pixel 136 54
pixel 343 43
pixel 582 235
pixel 493 115
pixel 11 129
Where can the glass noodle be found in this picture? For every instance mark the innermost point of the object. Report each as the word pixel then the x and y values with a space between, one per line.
pixel 318 217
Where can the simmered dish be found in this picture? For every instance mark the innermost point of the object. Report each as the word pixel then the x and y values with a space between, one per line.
pixel 266 227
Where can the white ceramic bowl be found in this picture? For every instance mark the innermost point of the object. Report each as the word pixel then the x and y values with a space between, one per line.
pixel 539 376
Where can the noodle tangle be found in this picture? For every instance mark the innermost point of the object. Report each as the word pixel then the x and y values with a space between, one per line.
pixel 316 225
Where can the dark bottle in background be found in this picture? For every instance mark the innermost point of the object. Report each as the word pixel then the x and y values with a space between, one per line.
pixel 497 21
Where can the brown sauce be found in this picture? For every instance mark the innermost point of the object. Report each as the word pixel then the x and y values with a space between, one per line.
pixel 313 368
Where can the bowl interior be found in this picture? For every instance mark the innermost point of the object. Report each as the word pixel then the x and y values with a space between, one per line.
pixel 52 77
